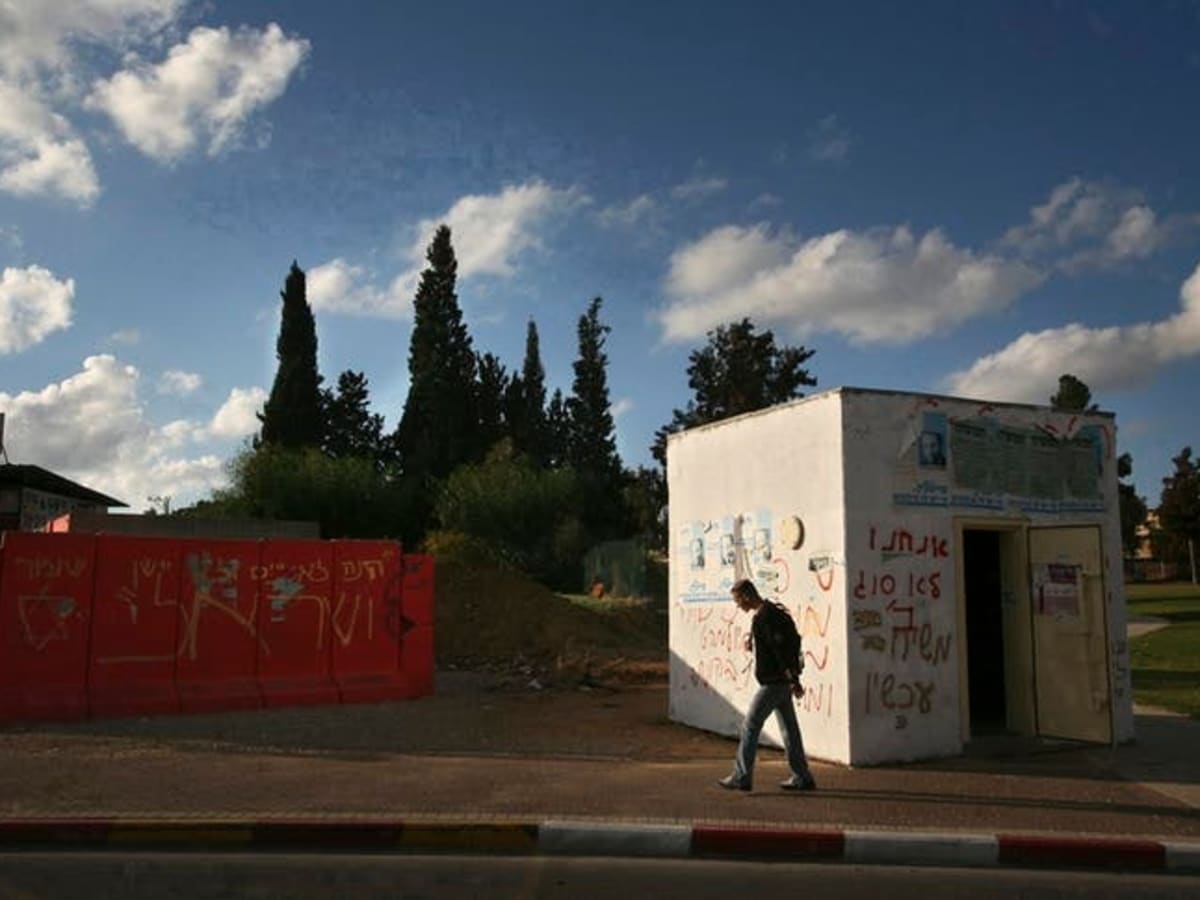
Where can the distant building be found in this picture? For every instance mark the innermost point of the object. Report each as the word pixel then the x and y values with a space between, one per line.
pixel 31 497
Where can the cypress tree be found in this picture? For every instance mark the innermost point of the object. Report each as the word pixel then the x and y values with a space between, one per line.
pixel 293 414
pixel 438 430
pixel 352 430
pixel 592 447
pixel 558 431
pixel 527 403
pixel 493 391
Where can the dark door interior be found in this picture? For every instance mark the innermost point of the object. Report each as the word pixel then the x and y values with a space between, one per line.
pixel 985 631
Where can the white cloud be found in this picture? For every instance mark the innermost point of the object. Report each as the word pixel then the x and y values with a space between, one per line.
pixel 1087 225
pixel 627 215
pixel 10 237
pixel 126 336
pixel 207 88
pixel 338 286
pixel 648 210
pixel 1111 358
pixel 829 141
pixel 39 151
pixel 490 233
pixel 33 305
pixel 622 406
pixel 491 230
pixel 698 188
pixel 91 427
pixel 238 415
pixel 878 286
pixel 35 35
pixel 178 383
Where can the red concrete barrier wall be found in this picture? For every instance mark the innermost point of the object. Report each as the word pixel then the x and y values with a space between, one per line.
pixel 132 625
pixel 135 626
pixel 45 610
pixel 295 654
pixel 416 639
pixel 218 626
pixel 366 617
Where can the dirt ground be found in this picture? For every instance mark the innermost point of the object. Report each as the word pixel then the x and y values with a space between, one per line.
pixel 491 619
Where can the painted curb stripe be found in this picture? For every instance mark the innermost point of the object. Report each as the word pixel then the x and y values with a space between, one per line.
pixel 764 842
pixel 78 832
pixel 921 849
pixel 511 838
pixel 578 838
pixel 180 834
pixel 1183 857
pixel 348 835
pixel 1106 853
pixel 606 839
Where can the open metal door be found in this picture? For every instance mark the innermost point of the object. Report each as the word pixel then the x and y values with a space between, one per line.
pixel 1070 634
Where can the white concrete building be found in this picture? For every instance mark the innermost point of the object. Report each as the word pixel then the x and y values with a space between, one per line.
pixel 954 567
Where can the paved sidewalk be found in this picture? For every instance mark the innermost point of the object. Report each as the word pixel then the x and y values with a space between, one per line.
pixel 484 755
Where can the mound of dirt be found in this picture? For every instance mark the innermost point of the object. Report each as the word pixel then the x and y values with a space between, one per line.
pixel 490 617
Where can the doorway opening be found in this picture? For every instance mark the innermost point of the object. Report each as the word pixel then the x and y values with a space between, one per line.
pixel 983 595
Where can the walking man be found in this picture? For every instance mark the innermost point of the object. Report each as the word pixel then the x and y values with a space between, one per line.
pixel 777 664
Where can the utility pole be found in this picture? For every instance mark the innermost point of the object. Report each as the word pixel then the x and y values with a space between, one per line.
pixel 1192 557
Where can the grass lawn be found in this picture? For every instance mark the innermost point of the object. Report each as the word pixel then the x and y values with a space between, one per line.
pixel 1165 664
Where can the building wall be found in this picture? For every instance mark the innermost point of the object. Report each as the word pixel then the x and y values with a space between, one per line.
pixel 1016 465
pixel 875 584
pixel 734 487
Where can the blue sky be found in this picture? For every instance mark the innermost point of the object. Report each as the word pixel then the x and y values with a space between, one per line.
pixel 956 198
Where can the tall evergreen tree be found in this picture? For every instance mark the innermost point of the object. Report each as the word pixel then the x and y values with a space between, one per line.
pixel 1073 395
pixel 1133 508
pixel 1179 510
pixel 737 371
pixel 493 390
pixel 292 416
pixel 438 429
pixel 558 431
pixel 352 430
pixel 592 447
pixel 527 402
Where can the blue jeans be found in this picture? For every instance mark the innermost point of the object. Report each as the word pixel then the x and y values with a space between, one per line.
pixel 770 698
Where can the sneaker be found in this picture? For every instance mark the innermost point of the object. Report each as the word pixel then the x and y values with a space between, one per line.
pixel 799 784
pixel 732 784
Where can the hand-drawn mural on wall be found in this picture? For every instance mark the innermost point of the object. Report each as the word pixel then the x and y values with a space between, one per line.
pixel 1024 460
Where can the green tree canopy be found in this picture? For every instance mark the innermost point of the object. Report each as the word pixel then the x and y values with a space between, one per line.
pixel 1073 395
pixel 293 414
pixel 558 430
pixel 527 515
pixel 1133 508
pixel 526 402
pixel 737 371
pixel 1179 507
pixel 352 430
pixel 592 447
pixel 493 388
pixel 438 429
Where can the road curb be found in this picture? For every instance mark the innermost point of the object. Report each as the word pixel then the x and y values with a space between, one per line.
pixel 559 837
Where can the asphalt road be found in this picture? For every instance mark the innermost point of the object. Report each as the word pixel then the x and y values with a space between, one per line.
pixel 34 876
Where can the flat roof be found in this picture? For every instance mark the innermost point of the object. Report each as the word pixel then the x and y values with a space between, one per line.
pixel 847 389
pixel 27 476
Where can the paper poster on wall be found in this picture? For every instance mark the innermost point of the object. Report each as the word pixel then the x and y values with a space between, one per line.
pixel 696 547
pixel 1058 590
pixel 728 544
pixel 931 442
